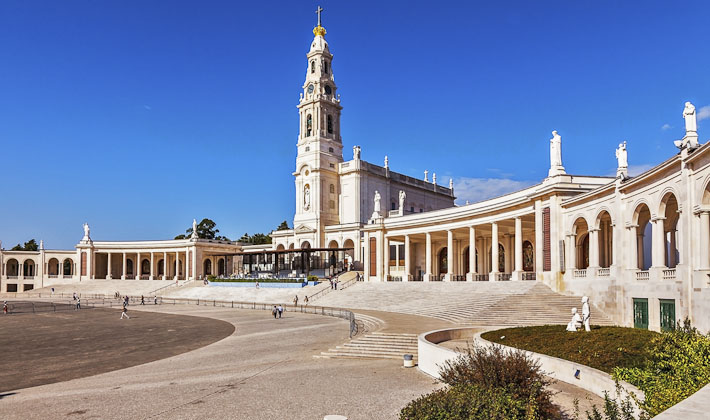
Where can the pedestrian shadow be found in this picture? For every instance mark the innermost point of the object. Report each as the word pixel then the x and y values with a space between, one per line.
pixel 7 394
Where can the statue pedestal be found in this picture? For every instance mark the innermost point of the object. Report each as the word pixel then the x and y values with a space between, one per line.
pixel 556 170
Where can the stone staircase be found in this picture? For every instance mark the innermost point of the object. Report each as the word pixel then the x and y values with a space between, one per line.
pixel 477 303
pixel 375 346
pixel 368 323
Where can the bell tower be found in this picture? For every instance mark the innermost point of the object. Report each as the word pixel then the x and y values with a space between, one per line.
pixel 320 147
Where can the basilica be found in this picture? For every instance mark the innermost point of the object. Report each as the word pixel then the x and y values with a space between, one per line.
pixel 638 246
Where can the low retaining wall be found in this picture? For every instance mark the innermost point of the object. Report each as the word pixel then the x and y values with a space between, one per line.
pixel 695 407
pixel 270 285
pixel 431 356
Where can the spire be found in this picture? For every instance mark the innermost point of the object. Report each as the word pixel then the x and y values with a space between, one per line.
pixel 319 30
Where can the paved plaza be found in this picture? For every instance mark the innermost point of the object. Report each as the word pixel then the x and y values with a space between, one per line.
pixel 264 370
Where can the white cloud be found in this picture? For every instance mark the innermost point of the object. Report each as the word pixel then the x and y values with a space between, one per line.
pixel 704 113
pixel 639 169
pixel 478 189
pixel 665 127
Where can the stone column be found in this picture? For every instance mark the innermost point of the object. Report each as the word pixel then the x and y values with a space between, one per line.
pixel 517 272
pixel 366 258
pixel 123 272
pixel 386 252
pixel 407 259
pixel 152 265
pixel 509 253
pixel 593 252
pixel 427 274
pixel 194 263
pixel 108 270
pixel 165 265
pixel 494 252
pixel 672 249
pixel 449 255
pixel 571 257
pixel 658 244
pixel 471 253
pixel 539 256
pixel 704 240
pixel 137 267
pixel 177 265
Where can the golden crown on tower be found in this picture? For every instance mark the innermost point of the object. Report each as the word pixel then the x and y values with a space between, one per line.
pixel 319 31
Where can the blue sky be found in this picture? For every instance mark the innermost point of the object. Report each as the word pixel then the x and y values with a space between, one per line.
pixel 139 116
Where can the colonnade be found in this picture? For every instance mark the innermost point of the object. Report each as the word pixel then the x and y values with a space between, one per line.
pixel 165 265
pixel 459 253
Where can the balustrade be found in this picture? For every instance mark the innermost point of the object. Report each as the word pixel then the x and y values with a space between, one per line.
pixel 603 272
pixel 503 276
pixel 480 277
pixel 458 277
pixel 580 273
pixel 642 275
pixel 529 276
pixel 669 274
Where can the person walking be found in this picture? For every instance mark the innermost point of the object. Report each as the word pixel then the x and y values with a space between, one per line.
pixel 4 307
pixel 335 283
pixel 52 291
pixel 281 310
pixel 142 300
pixel 78 303
pixel 155 300
pixel 305 300
pixel 274 311
pixel 124 313
pixel 295 301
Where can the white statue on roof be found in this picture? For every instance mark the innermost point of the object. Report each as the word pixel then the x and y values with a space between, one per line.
pixel 556 167
pixel 87 231
pixel 691 122
pixel 194 229
pixel 402 197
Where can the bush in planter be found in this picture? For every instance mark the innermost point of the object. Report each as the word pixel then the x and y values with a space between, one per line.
pixel 487 383
pixel 211 278
pixel 677 365
pixel 312 278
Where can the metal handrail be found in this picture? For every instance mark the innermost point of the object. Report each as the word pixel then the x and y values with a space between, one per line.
pixel 341 286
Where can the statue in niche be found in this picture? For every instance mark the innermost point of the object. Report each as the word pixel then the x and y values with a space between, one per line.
pixel 621 156
pixel 576 321
pixel 307 197
pixel 555 150
pixel 87 231
pixel 586 313
pixel 691 123
pixel 402 197
pixel 377 203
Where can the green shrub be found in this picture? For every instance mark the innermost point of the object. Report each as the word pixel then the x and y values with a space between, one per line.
pixel 313 278
pixel 487 383
pixel 677 364
pixel 619 408
pixel 467 401
pixel 211 278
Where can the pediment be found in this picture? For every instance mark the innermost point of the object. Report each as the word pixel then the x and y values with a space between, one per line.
pixel 304 229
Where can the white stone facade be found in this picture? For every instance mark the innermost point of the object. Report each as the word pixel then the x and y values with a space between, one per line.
pixel 638 247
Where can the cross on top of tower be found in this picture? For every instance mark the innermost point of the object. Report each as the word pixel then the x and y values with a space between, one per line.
pixel 318 11
pixel 319 30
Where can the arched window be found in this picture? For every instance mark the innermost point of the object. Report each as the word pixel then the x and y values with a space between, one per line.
pixel 330 124
pixel 443 261
pixel 332 189
pixel 325 67
pixel 67 267
pixel 129 267
pixel 161 267
pixel 145 267
pixel 207 267
pixel 309 125
pixel 331 204
pixel 528 257
pixel 313 66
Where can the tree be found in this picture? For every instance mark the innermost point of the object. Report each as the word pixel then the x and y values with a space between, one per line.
pixel 30 245
pixel 205 230
pixel 283 226
pixel 256 239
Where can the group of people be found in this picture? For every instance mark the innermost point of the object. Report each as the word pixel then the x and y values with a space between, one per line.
pixel 295 300
pixel 277 311
pixel 333 284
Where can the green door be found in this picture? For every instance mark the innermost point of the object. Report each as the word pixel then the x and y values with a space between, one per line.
pixel 667 314
pixel 641 313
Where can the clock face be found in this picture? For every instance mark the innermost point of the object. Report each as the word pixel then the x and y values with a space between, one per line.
pixel 328 91
pixel 310 88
